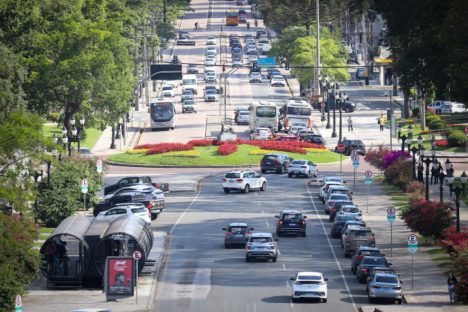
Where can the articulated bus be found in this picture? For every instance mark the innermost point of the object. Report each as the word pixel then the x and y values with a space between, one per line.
pixel 162 114
pixel 297 112
pixel 232 18
pixel 264 114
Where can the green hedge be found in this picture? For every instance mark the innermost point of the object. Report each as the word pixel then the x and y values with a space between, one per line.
pixel 456 138
pixel 437 124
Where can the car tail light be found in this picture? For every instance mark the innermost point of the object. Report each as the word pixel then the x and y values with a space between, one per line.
pixel 149 205
pixel 224 180
pixel 155 185
pixel 248 233
pixel 277 162
pixel 331 203
pixel 358 258
pixel 397 288
pixel 364 270
pixel 281 222
pixel 239 180
pixel 375 286
pixel 302 222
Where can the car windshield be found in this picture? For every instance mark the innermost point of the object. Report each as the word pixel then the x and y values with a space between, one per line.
pixel 260 239
pixel 338 196
pixel 386 279
pixel 374 261
pixel 266 111
pixel 232 175
pixel 350 210
pixel 362 234
pixel 238 229
pixel 299 162
pixel 210 91
pixel 292 216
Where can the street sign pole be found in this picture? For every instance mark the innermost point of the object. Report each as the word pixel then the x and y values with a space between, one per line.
pixel 412 271
pixel 341 164
pixel 391 217
pixel 391 239
pixel 367 198
pixel 368 180
pixel 412 248
pixel 354 180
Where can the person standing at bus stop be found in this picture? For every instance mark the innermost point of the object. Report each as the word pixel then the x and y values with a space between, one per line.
pixel 350 124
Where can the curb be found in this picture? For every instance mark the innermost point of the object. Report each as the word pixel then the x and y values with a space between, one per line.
pixel 113 163
pixel 154 283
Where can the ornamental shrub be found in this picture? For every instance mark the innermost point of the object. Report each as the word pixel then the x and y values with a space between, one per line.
pixel 460 268
pixel 399 173
pixel 374 156
pixel 415 190
pixel 454 240
pixel 456 138
pixel 390 158
pixel 437 124
pixel 203 142
pixel 429 218
pixel 441 143
pixel 431 118
pixel 227 149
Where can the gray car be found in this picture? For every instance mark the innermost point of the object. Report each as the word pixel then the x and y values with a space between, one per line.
pixel 236 234
pixel 356 236
pixel 385 286
pixel 261 246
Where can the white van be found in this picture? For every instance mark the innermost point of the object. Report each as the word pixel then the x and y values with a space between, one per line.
pixel 453 107
pixel 190 82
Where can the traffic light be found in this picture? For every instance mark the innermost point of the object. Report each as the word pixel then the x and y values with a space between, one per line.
pixel 286 65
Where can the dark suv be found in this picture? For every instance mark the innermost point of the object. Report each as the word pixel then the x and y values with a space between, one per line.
pixel 130 181
pixel 361 252
pixel 277 162
pixel 291 221
pixel 353 145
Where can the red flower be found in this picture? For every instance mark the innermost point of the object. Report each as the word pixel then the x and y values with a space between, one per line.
pixel 227 149
pixel 165 147
pixel 442 143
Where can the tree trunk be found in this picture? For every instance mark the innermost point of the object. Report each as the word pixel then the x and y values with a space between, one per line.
pixel 406 96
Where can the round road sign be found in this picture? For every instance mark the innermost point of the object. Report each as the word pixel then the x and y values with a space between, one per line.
pixel 136 255
pixel 391 211
pixel 368 174
pixel 341 148
pixel 98 163
pixel 412 239
pixel 354 153
pixel 355 158
pixel 84 182
pixel 322 105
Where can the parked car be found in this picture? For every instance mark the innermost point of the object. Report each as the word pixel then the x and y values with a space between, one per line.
pixel 136 209
pixel 378 269
pixel 243 181
pixel 291 221
pixel 129 181
pixel 350 145
pixel 337 206
pixel 312 138
pixel 192 69
pixel 236 234
pixel 385 286
pixel 453 107
pixel 324 188
pixel 243 118
pixel 302 167
pixel 356 236
pixel 309 285
pixel 349 210
pixel 277 162
pixel 366 264
pixel 261 246
pixel 360 253
pixel 337 189
pixel 189 106
pixel 261 134
pixel 255 77
pixel 340 222
pixel 330 201
pixel 277 81
pixel 332 178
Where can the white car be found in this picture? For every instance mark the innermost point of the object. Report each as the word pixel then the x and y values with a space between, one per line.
pixel 211 95
pixel 243 181
pixel 309 285
pixel 324 188
pixel 302 167
pixel 332 199
pixel 210 62
pixel 261 134
pixel 211 77
pixel 211 40
pixel 211 49
pixel 349 210
pixel 243 118
pixel 255 77
pixel 277 81
pixel 138 210
pixel 295 129
pixel 237 62
pixel 210 54
pixel 167 90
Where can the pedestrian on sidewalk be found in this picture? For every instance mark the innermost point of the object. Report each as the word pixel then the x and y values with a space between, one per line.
pixel 381 122
pixel 437 173
pixel 350 124
pixel 451 282
pixel 433 172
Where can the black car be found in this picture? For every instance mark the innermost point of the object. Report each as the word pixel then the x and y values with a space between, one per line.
pixel 350 145
pixel 277 162
pixel 312 138
pixel 291 222
pixel 273 72
pixel 129 181
pixel 236 234
pixel 339 224
pixel 367 264
pixel 361 252
pixel 151 200
pixel 346 106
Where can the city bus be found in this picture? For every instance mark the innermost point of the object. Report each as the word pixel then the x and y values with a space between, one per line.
pixel 162 114
pixel 297 112
pixel 263 114
pixel 232 18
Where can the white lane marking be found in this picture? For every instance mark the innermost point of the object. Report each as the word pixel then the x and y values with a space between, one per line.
pixel 184 213
pixel 263 212
pixel 287 284
pixel 291 304
pixel 332 250
pixel 279 252
pixel 255 307
pixel 268 224
pixel 248 307
pixel 284 267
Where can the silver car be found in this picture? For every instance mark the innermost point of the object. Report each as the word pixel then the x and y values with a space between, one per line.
pixel 262 246
pixel 302 167
pixel 385 286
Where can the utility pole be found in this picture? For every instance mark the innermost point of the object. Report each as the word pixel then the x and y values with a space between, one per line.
pixel 145 67
pixel 317 67
pixel 135 70
pixel 164 12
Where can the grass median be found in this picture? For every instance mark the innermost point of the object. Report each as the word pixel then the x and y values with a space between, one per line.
pixel 209 157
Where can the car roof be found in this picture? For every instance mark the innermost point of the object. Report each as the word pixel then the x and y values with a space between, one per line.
pixel 388 274
pixel 309 274
pixel 358 227
pixel 237 224
pixel 291 211
pixel 260 234
pixel 368 248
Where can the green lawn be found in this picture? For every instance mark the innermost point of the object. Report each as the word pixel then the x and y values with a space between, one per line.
pixel 210 157
pixel 92 135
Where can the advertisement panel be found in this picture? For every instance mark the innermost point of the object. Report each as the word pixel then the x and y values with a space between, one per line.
pixel 119 277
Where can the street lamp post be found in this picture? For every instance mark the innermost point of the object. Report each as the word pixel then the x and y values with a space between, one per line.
pixel 441 186
pixel 400 128
pixel 410 131
pixel 328 126
pixel 420 141
pixel 403 139
pixel 428 162
pixel 414 150
pixel 340 101
pixel 463 179
pixel 333 135
pixel 450 179
pixel 76 131
pixel 37 174
pixel 408 142
pixel 457 191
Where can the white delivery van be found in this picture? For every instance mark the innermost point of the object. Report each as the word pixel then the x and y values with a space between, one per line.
pixel 190 82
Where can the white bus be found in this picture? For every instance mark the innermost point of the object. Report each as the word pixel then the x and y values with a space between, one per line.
pixel 162 114
pixel 297 112
pixel 264 114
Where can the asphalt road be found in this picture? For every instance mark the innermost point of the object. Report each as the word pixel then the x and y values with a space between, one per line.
pixel 200 275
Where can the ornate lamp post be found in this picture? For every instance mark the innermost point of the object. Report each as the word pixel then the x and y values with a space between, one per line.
pixel 414 150
pixel 457 191
pixel 76 131
pixel 420 141
pixel 410 131
pixel 333 98
pixel 403 139
pixel 450 179
pixel 428 162
pixel 408 142
pixel 400 128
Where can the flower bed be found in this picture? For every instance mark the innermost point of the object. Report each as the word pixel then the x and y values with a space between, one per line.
pixel 260 152
pixel 164 148
pixel 137 151
pixel 316 150
pixel 189 154
pixel 227 149
pixel 441 143
pixel 203 142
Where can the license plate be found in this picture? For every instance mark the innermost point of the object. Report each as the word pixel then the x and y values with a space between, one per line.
pixel 231 181
pixel 268 162
pixel 292 224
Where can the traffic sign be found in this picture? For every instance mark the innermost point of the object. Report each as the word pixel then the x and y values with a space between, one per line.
pixel 368 181
pixel 368 174
pixel 266 62
pixel 99 166
pixel 18 304
pixel 84 185
pixel 341 148
pixel 412 239
pixel 137 255
pixel 355 158
pixel 391 211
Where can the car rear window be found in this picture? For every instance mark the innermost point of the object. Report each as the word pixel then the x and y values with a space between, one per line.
pixel 370 252
pixel 260 239
pixel 362 234
pixel 270 157
pixel 291 216
pixel 338 196
pixel 299 162
pixel 386 279
pixel 237 230
pixel 232 175
pixel 374 261
pixel 350 210
pixel 139 210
